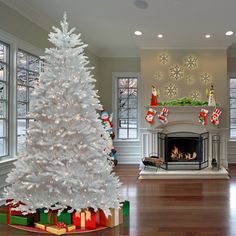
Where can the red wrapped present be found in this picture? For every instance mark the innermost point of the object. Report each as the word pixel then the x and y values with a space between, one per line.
pixel 84 219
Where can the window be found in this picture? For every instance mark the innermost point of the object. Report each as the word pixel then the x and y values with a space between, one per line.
pixel 4 98
pixel 127 107
pixel 27 75
pixel 232 92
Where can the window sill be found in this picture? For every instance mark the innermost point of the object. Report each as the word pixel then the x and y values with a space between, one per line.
pixel 6 161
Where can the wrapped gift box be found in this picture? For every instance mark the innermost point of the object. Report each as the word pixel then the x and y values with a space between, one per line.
pixel 126 207
pixel 54 229
pixel 52 217
pixel 84 220
pixel 112 220
pixel 16 220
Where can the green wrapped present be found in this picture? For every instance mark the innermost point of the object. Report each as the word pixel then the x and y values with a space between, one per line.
pixel 126 207
pixel 52 217
pixel 16 220
pixel 22 220
pixel 3 218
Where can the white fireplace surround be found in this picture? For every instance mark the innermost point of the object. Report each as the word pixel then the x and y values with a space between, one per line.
pixel 184 119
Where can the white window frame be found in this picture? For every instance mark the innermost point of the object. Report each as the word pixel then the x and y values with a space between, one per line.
pixel 115 76
pixel 15 44
pixel 230 76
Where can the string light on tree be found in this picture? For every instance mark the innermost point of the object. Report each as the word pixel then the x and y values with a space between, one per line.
pixel 191 62
pixel 176 72
pixel 64 164
pixel 206 78
pixel 163 58
pixel 171 90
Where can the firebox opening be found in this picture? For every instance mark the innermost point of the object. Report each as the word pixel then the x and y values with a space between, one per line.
pixel 185 149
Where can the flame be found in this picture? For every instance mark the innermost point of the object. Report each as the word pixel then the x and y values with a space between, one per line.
pixel 176 154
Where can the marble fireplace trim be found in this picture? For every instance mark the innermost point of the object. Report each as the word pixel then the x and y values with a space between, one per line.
pixel 183 120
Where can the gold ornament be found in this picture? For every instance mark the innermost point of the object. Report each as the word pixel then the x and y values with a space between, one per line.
pixel 176 72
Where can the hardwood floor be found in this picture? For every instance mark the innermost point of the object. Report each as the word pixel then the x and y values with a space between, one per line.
pixel 171 207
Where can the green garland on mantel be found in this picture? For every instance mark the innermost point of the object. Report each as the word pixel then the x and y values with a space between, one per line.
pixel 183 102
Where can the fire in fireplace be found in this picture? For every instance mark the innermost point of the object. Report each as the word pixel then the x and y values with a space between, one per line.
pixel 185 149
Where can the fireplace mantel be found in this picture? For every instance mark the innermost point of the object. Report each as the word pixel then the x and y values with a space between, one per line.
pixel 183 119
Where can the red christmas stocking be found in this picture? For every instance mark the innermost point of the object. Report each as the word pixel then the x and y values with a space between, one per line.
pixel 202 118
pixel 163 115
pixel 150 116
pixel 215 116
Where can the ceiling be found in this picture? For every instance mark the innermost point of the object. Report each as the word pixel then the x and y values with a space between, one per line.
pixel 108 25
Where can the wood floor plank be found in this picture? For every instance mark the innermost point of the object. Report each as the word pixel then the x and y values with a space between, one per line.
pixel 171 207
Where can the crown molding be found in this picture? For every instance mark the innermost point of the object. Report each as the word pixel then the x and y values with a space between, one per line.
pixel 28 12
pixel 186 48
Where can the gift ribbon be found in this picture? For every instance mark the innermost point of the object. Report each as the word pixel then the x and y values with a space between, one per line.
pixel 54 217
pixel 61 225
pixel 87 215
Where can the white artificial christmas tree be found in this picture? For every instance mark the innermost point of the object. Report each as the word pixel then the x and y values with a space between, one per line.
pixel 64 164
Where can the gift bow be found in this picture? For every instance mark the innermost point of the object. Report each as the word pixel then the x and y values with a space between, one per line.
pixel 61 225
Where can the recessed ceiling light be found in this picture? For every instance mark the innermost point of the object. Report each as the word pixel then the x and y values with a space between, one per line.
pixel 160 36
pixel 137 32
pixel 229 33
pixel 141 4
pixel 207 36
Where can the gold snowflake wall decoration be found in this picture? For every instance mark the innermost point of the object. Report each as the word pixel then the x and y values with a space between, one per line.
pixel 176 72
pixel 206 78
pixel 190 79
pixel 191 62
pixel 158 76
pixel 195 95
pixel 163 58
pixel 171 90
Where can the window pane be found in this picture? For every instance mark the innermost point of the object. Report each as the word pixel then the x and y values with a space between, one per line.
pixel 21 59
pixel 21 76
pixel 133 103
pixel 123 83
pixel 123 133
pixel 21 130
pixel 123 123
pixel 21 94
pixel 132 133
pixel 3 150
pixel 3 91
pixel 232 133
pixel 3 72
pixel 3 108
pixel 232 93
pixel 33 63
pixel 133 114
pixel 233 83
pixel 233 113
pixel 232 103
pixel 3 53
pixel 33 79
pixel 123 113
pixel 133 83
pixel 21 108
pixel 133 93
pixel 2 128
pixel 232 123
pixel 123 103
pixel 133 124
pixel 123 93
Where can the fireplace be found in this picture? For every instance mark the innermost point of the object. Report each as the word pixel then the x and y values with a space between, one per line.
pixel 184 150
